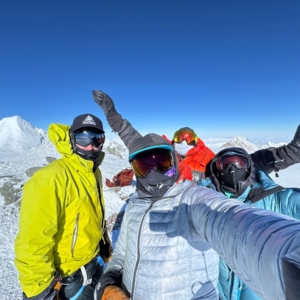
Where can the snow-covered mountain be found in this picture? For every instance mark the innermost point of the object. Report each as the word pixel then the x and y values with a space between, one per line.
pixel 24 149
pixel 17 134
pixel 241 142
pixel 269 144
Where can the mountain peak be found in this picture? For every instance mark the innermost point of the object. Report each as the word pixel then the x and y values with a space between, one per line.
pixel 241 142
pixel 17 134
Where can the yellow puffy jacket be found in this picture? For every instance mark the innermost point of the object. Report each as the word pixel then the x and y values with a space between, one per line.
pixel 61 217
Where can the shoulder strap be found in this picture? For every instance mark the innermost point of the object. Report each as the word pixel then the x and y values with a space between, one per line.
pixel 257 194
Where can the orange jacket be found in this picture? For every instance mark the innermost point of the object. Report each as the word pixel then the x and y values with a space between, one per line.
pixel 195 161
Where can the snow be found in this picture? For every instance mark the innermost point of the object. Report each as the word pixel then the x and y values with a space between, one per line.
pixel 23 146
pixel 17 134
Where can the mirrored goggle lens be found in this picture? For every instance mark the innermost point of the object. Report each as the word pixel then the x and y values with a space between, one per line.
pixel 160 160
pixel 188 135
pixel 86 138
pixel 237 159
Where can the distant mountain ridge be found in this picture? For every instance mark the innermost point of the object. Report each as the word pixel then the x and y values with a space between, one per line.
pixel 17 134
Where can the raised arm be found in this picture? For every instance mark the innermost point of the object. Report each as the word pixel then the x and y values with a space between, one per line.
pixel 255 243
pixel 275 159
pixel 125 130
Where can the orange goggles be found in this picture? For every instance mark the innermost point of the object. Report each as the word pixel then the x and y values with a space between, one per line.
pixel 185 134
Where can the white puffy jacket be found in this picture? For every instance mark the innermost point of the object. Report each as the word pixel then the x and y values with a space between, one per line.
pixel 165 248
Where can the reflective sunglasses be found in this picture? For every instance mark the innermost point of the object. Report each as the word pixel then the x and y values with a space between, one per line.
pixel 86 137
pixel 160 160
pixel 239 160
pixel 185 134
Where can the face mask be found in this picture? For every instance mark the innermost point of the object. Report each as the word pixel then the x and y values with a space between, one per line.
pixel 155 184
pixel 182 148
pixel 88 155
pixel 232 176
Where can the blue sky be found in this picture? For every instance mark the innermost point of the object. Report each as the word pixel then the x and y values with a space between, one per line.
pixel 223 68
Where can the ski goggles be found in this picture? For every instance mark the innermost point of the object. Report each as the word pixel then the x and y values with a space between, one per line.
pixel 86 138
pixel 239 160
pixel 185 134
pixel 160 160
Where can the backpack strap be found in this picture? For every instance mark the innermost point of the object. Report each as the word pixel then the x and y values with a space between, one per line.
pixel 257 194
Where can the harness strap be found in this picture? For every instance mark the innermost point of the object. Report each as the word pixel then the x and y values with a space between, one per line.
pixel 257 194
pixel 86 280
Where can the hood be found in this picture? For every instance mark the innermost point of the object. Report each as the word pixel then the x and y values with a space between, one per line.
pixel 59 136
pixel 250 181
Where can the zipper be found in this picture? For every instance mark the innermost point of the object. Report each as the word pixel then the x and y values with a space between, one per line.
pixel 231 279
pixel 101 204
pixel 240 290
pixel 138 251
pixel 203 158
pixel 75 234
pixel 202 173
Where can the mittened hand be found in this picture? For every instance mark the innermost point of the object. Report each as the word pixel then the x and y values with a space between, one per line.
pixel 105 248
pixel 112 292
pixel 105 102
pixel 105 252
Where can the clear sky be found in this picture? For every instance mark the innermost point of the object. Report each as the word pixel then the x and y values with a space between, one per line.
pixel 224 68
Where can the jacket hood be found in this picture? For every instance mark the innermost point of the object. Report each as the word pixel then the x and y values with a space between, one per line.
pixel 242 185
pixel 58 134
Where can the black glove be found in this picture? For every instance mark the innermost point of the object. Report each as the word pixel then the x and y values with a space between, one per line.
pixel 296 140
pixel 105 102
pixel 105 247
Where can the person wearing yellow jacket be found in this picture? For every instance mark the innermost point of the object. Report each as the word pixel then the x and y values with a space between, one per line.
pixel 62 217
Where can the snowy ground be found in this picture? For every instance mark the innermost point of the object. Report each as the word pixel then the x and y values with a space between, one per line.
pixel 15 164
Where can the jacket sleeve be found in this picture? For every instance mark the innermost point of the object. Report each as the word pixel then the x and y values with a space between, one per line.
pixel 125 130
pixel 35 240
pixel 255 243
pixel 275 159
pixel 288 202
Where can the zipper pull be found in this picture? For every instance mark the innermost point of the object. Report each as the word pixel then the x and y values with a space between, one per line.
pixel 229 276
